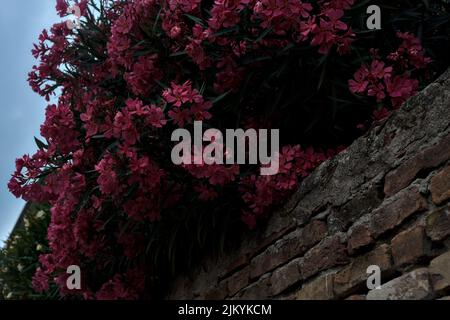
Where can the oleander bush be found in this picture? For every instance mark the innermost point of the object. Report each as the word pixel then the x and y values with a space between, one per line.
pixel 137 70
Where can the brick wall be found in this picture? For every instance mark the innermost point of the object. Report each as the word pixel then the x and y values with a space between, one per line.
pixel 385 201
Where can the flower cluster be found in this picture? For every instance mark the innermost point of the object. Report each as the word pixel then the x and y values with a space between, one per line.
pixel 263 20
pixel 186 104
pixel 391 82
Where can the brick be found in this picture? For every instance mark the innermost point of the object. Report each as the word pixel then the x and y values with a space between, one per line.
pixel 359 236
pixel 438 224
pixel 279 226
pixel 312 233
pixel 320 288
pixel 302 215
pixel 327 254
pixel 294 244
pixel 430 157
pixel 219 292
pixel 353 277
pixel 285 277
pixel 388 216
pixel 411 286
pixel 440 272
pixel 364 202
pixel 396 210
pixel 410 245
pixel 267 260
pixel 440 186
pixel 256 291
pixel 238 280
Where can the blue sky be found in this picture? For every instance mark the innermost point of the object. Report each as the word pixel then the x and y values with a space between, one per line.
pixel 22 110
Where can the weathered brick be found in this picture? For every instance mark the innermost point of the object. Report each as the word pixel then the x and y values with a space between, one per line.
pixel 440 186
pixel 440 272
pixel 256 291
pixel 396 210
pixel 313 232
pixel 354 276
pixel 279 226
pixel 363 202
pixel 238 280
pixel 294 244
pixel 359 236
pixel 302 215
pixel 266 261
pixel 388 216
pixel 285 276
pixel 410 245
pixel 411 286
pixel 430 157
pixel 327 254
pixel 219 292
pixel 320 288
pixel 438 224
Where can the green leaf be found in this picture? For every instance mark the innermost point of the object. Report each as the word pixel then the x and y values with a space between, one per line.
pixel 41 145
pixel 262 35
pixel 322 76
pixel 177 54
pixel 163 85
pixel 202 89
pixel 222 96
pixel 156 20
pixel 98 136
pixel 250 61
pixel 226 31
pixel 196 19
